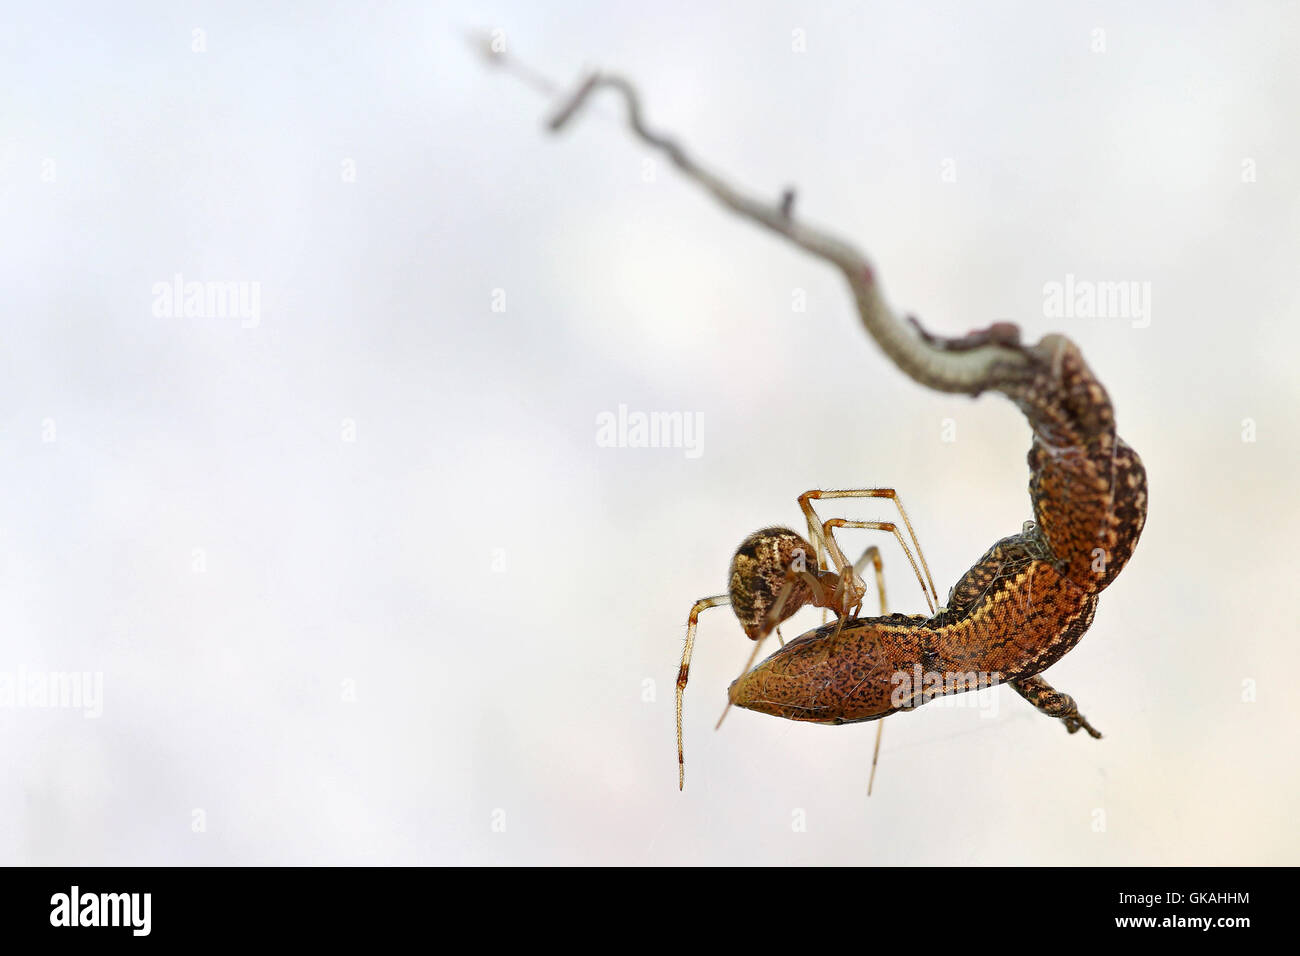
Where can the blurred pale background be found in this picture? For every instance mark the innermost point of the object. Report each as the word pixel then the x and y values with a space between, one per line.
pixel 362 585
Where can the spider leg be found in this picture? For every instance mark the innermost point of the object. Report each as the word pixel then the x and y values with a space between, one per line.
pixel 701 605
pixel 833 523
pixel 819 535
pixel 872 554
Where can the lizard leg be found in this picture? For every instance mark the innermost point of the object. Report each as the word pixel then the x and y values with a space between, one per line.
pixel 1053 703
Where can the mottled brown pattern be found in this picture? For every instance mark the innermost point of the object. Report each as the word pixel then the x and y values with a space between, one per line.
pixel 758 573
pixel 1054 704
pixel 1024 604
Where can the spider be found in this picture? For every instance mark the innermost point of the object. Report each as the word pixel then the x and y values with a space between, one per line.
pixel 771 580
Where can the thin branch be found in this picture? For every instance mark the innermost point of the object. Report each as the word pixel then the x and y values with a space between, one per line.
pixel 971 364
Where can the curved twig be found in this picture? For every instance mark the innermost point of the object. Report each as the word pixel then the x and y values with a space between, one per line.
pixel 971 364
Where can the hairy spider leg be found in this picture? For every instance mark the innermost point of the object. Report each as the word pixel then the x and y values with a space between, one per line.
pixel 718 600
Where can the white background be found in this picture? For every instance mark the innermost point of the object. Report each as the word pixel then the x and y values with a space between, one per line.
pixel 515 697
